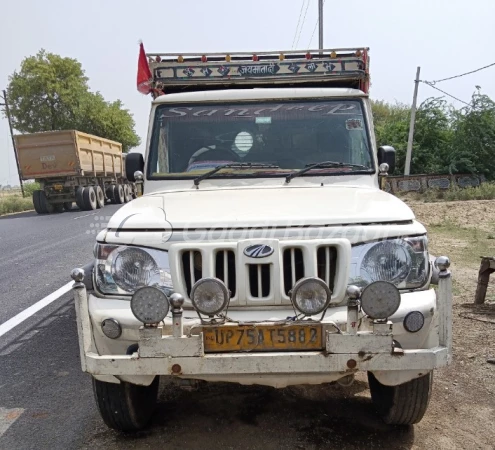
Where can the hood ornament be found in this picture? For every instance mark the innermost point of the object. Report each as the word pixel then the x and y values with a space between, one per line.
pixel 258 251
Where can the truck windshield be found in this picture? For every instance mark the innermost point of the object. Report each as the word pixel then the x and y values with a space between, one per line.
pixel 189 140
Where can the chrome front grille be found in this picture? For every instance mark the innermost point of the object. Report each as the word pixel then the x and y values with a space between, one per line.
pixel 192 268
pixel 262 281
pixel 293 267
pixel 225 269
pixel 326 258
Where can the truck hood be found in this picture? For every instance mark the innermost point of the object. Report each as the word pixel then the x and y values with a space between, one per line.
pixel 260 207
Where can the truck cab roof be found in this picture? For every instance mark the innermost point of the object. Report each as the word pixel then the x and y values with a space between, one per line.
pixel 258 94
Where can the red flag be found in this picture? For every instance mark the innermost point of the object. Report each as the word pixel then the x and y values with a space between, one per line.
pixel 144 77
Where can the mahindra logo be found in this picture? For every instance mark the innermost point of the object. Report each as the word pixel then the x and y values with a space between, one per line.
pixel 258 251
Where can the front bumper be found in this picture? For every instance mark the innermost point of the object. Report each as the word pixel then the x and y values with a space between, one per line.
pixel 371 348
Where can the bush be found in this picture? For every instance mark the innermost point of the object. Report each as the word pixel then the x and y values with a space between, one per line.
pixel 14 204
pixel 485 191
pixel 29 188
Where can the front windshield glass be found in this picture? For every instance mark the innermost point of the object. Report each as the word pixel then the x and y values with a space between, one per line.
pixel 190 140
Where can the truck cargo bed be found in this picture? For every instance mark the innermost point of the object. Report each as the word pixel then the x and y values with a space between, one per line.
pixel 67 153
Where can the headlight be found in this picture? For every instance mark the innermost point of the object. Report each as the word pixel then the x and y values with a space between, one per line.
pixel 124 269
pixel 402 262
pixel 310 296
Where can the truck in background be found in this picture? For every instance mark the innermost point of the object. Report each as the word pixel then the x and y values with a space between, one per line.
pixel 72 166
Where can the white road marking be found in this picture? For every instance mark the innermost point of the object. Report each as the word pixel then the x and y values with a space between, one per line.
pixel 86 215
pixel 33 309
pixel 8 417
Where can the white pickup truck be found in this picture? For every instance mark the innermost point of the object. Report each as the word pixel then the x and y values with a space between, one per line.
pixel 263 249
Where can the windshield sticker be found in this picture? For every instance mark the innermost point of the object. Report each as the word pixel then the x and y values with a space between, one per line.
pixel 354 124
pixel 280 110
pixel 263 120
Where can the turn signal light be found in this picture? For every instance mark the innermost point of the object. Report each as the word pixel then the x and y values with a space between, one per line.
pixel 256 58
pixel 228 58
pixel 158 59
pixel 204 58
pixel 281 57
pixel 333 55
pixel 308 55
pixel 180 59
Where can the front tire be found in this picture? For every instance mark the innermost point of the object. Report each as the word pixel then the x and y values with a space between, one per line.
pixel 404 404
pixel 125 406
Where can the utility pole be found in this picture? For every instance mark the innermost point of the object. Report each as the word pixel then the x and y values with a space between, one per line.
pixel 320 24
pixel 7 112
pixel 407 168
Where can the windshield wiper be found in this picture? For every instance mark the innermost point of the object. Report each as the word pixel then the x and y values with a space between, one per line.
pixel 323 164
pixel 233 166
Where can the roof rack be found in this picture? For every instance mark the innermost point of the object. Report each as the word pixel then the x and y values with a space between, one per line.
pixel 339 67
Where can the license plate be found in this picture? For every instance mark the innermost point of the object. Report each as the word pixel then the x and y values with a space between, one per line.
pixel 263 338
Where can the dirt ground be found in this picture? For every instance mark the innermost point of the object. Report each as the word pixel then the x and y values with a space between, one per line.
pixel 461 414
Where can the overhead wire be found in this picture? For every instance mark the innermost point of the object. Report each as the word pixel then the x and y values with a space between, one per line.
pixel 429 83
pixel 298 22
pixel 302 24
pixel 463 74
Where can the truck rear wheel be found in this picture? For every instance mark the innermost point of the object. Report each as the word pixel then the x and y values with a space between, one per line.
pixel 89 198
pixel 118 194
pixel 125 406
pixel 37 202
pixel 41 204
pixel 126 193
pixel 100 197
pixel 79 198
pixel 404 404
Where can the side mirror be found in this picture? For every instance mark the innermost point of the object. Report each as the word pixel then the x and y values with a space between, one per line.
pixel 134 162
pixel 386 154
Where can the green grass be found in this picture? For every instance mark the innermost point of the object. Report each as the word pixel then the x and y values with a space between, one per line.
pixel 485 191
pixel 466 244
pixel 14 204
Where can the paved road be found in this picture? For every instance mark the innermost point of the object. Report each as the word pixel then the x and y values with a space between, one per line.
pixel 47 402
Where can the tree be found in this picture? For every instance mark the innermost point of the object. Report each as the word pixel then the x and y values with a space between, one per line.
pixel 44 95
pixel 109 120
pixel 391 128
pixel 51 93
pixel 473 147
pixel 432 137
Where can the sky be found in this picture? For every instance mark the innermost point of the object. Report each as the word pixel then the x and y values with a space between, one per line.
pixel 444 37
